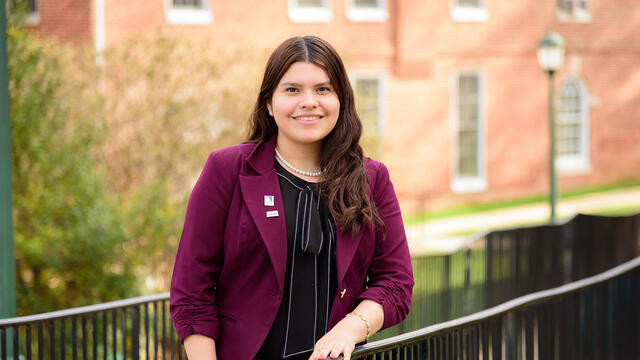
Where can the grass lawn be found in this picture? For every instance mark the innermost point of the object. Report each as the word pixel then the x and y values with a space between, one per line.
pixel 568 194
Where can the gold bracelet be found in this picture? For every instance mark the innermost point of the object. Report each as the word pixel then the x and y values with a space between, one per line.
pixel 364 318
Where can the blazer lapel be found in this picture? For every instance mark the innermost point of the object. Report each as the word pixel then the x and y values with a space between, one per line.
pixel 345 249
pixel 257 184
pixel 273 228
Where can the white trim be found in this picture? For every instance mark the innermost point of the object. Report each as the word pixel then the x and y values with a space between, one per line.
pixel 188 16
pixel 359 14
pixel 321 14
pixel 462 13
pixel 381 77
pixel 33 18
pixel 100 31
pixel 478 183
pixel 577 164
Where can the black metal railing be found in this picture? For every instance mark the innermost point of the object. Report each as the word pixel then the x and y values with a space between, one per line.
pixel 593 318
pixel 497 266
pixel 137 328
pixel 491 269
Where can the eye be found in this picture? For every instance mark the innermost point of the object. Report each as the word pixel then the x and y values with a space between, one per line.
pixel 324 89
pixel 291 89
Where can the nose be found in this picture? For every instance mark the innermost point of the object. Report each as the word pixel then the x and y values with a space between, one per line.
pixel 308 100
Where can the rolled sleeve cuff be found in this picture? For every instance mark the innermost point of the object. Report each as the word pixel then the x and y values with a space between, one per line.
pixel 209 328
pixel 395 309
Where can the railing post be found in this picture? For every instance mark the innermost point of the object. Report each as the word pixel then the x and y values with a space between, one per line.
pixel 446 289
pixel 510 338
pixel 135 333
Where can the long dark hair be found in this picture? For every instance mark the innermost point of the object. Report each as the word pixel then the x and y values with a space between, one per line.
pixel 344 181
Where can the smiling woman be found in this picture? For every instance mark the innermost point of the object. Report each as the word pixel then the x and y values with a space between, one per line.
pixel 305 108
pixel 329 263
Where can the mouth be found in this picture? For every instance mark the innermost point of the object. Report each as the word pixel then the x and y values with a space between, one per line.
pixel 308 119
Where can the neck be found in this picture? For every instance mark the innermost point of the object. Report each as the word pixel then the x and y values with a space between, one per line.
pixel 302 156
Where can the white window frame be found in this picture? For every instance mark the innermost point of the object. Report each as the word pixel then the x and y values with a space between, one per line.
pixel 461 13
pixel 188 16
pixel 579 163
pixel 302 14
pixel 576 15
pixel 478 183
pixel 377 14
pixel 381 76
pixel 33 18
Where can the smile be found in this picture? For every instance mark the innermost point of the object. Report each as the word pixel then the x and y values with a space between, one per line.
pixel 308 118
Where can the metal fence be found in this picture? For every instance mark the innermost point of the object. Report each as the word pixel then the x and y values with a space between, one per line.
pixel 593 318
pixel 501 265
pixel 137 328
pixel 491 269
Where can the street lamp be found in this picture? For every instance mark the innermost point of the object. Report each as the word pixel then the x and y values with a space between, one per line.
pixel 550 55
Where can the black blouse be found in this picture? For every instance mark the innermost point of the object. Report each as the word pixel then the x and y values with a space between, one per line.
pixel 310 278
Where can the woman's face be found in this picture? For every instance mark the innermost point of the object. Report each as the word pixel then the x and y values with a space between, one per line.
pixel 304 105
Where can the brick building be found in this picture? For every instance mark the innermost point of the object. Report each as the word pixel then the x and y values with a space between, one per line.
pixel 452 89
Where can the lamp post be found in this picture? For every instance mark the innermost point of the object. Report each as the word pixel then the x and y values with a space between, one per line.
pixel 550 56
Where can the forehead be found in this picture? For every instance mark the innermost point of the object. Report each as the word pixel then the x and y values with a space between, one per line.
pixel 305 71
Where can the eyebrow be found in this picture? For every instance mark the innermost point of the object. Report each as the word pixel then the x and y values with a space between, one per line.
pixel 291 83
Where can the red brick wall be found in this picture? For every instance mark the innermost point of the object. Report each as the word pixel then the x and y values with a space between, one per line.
pixel 420 47
pixel 67 20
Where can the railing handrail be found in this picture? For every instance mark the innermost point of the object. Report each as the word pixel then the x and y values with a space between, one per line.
pixel 83 310
pixel 499 309
pixel 483 233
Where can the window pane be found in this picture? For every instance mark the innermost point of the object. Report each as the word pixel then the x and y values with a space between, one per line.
pixel 188 3
pixel 310 3
pixel 365 3
pixel 367 90
pixel 468 125
pixel 469 3
pixel 32 6
pixel 566 5
pixel 570 121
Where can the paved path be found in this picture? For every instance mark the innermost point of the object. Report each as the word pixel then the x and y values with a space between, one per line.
pixel 435 236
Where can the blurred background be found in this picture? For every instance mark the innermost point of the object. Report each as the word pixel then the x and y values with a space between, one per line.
pixel 115 105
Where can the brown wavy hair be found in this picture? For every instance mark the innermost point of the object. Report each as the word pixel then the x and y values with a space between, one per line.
pixel 344 181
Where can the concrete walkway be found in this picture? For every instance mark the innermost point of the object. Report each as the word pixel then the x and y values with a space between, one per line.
pixel 438 236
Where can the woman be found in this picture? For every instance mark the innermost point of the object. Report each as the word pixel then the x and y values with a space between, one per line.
pixel 293 245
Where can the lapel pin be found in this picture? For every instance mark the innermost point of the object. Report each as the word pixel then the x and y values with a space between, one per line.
pixel 268 200
pixel 273 213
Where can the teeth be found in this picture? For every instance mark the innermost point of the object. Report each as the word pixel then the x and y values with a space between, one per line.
pixel 307 118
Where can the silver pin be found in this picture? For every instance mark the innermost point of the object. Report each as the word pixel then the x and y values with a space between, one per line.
pixel 273 213
pixel 269 200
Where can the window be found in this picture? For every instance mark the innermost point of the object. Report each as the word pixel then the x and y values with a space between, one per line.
pixel 572 128
pixel 369 97
pixel 469 11
pixel 573 11
pixel 306 11
pixel 468 109
pixel 33 7
pixel 367 10
pixel 188 12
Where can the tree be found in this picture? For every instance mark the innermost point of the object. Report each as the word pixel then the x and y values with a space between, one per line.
pixel 68 236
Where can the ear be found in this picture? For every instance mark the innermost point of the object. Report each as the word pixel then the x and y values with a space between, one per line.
pixel 269 109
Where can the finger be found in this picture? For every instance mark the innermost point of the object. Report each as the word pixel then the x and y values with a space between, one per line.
pixel 347 353
pixel 335 353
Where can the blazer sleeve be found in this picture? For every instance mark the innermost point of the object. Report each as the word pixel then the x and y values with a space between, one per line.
pixel 390 274
pixel 199 255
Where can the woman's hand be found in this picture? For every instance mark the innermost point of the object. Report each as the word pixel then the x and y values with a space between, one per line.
pixel 342 339
pixel 351 330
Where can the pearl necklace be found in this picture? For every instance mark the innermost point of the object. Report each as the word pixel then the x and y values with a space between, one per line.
pixel 295 169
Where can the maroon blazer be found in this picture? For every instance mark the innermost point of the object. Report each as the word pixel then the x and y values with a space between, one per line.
pixel 229 272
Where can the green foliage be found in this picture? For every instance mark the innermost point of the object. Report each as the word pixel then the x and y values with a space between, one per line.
pixel 68 237
pixel 104 154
